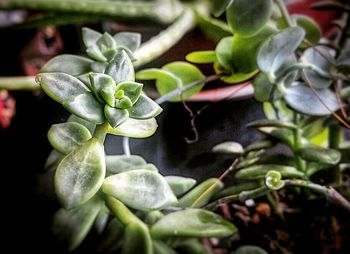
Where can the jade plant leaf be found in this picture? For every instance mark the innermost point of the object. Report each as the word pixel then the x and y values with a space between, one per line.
pixel 116 164
pixel 98 82
pixel 302 99
pixel 137 239
pixel 316 56
pixel 120 68
pixel 259 171
pixel 140 189
pixel 61 86
pixel 278 48
pixel 90 36
pixel 131 41
pixel 219 6
pixel 192 223
pixel 90 126
pixel 80 174
pixel 179 185
pixel 144 108
pixel 224 53
pixel 131 89
pixel 69 64
pixel 66 137
pixel 135 128
pixel 115 116
pixel 201 57
pixel 72 226
pixel 85 106
pixel 247 17
pixel 321 155
pixel 228 147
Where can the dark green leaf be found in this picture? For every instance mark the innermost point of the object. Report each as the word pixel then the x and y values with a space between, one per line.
pixel 80 174
pixel 247 17
pixel 90 36
pixel 247 249
pixel 120 163
pixel 145 108
pixel 120 68
pixel 264 90
pixel 262 144
pixel 179 185
pixel 87 107
pixel 160 247
pixel 278 110
pixel 201 57
pixel 329 5
pixel 131 89
pixel 284 135
pixel 320 154
pixel 259 171
pixel 123 103
pixel 66 137
pixel 69 64
pixel 271 123
pixel 236 189
pixel 224 53
pixel 60 86
pixel 192 223
pixel 131 41
pixel 311 28
pixel 302 99
pixel 140 189
pixel 115 116
pixel 213 29
pixel 219 6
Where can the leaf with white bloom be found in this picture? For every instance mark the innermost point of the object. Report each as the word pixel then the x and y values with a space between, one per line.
pixel 145 108
pixel 134 128
pixel 98 82
pixel 131 41
pixel 120 68
pixel 120 163
pixel 140 189
pixel 66 137
pixel 80 174
pixel 69 64
pixel 131 89
pixel 115 116
pixel 90 36
pixel 179 184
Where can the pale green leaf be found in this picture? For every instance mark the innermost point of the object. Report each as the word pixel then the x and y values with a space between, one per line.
pixel 131 41
pixel 179 184
pixel 100 81
pixel 228 147
pixel 120 163
pixel 69 64
pixel 144 108
pixel 224 53
pixel 131 89
pixel 90 36
pixel 201 57
pixel 115 116
pixel 259 171
pixel 137 239
pixel 134 128
pixel 120 68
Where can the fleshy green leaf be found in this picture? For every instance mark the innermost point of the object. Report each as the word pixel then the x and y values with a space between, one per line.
pixel 278 111
pixel 247 17
pixel 302 99
pixel 224 53
pixel 107 45
pixel 123 103
pixel 120 163
pixel 69 64
pixel 201 57
pixel 320 155
pixel 213 29
pixel 90 126
pixel 135 128
pixel 247 249
pixel 107 94
pixel 98 82
pixel 145 108
pixel 90 36
pixel 192 223
pixel 115 116
pixel 238 188
pixel 282 134
pixel 80 174
pixel 316 56
pixel 87 107
pixel 95 53
pixel 311 28
pixel 53 160
pixel 72 226
pixel 271 123
pixel 131 41
pixel 228 147
pixel 137 239
pixel 264 90
pixel 259 171
pixel 66 137
pixel 140 189
pixel 60 86
pixel 219 6
pixel 131 89
pixel 179 184
pixel 120 68
pixel 160 247
pixel 278 48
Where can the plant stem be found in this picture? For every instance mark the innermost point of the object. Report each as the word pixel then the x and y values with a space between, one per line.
pixel 120 211
pixel 284 12
pixel 330 193
pixel 19 83
pixel 156 11
pixel 297 143
pixel 162 42
pixel 101 132
pixel 335 137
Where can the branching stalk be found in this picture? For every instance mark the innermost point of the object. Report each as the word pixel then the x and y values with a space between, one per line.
pixel 19 83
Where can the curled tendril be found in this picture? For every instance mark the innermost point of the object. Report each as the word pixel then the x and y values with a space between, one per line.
pixel 273 180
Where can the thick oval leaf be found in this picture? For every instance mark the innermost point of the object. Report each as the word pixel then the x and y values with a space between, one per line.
pixel 192 223
pixel 311 28
pixel 201 57
pixel 193 196
pixel 245 49
pixel 90 36
pixel 53 160
pixel 259 171
pixel 236 189
pixel 120 68
pixel 66 137
pixel 86 106
pixel 135 128
pixel 247 17
pixel 80 174
pixel 72 226
pixel 224 53
pixel 140 189
pixel 278 48
pixel 144 108
pixel 61 86
pixel 213 29
pixel 115 116
pixel 302 99
pixel 238 77
pixel 179 185
pixel 90 126
pixel 137 239
pixel 321 155
pixel 160 247
pixel 258 145
pixel 69 64
pixel 107 45
pixel 98 82
pixel 229 147
pixel 185 72
pixel 95 53
pixel 131 89
pixel 247 249
pixel 121 163
pixel 271 123
pixel 316 56
pixel 282 134
pixel 219 6
pixel 131 41
pixel 264 90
